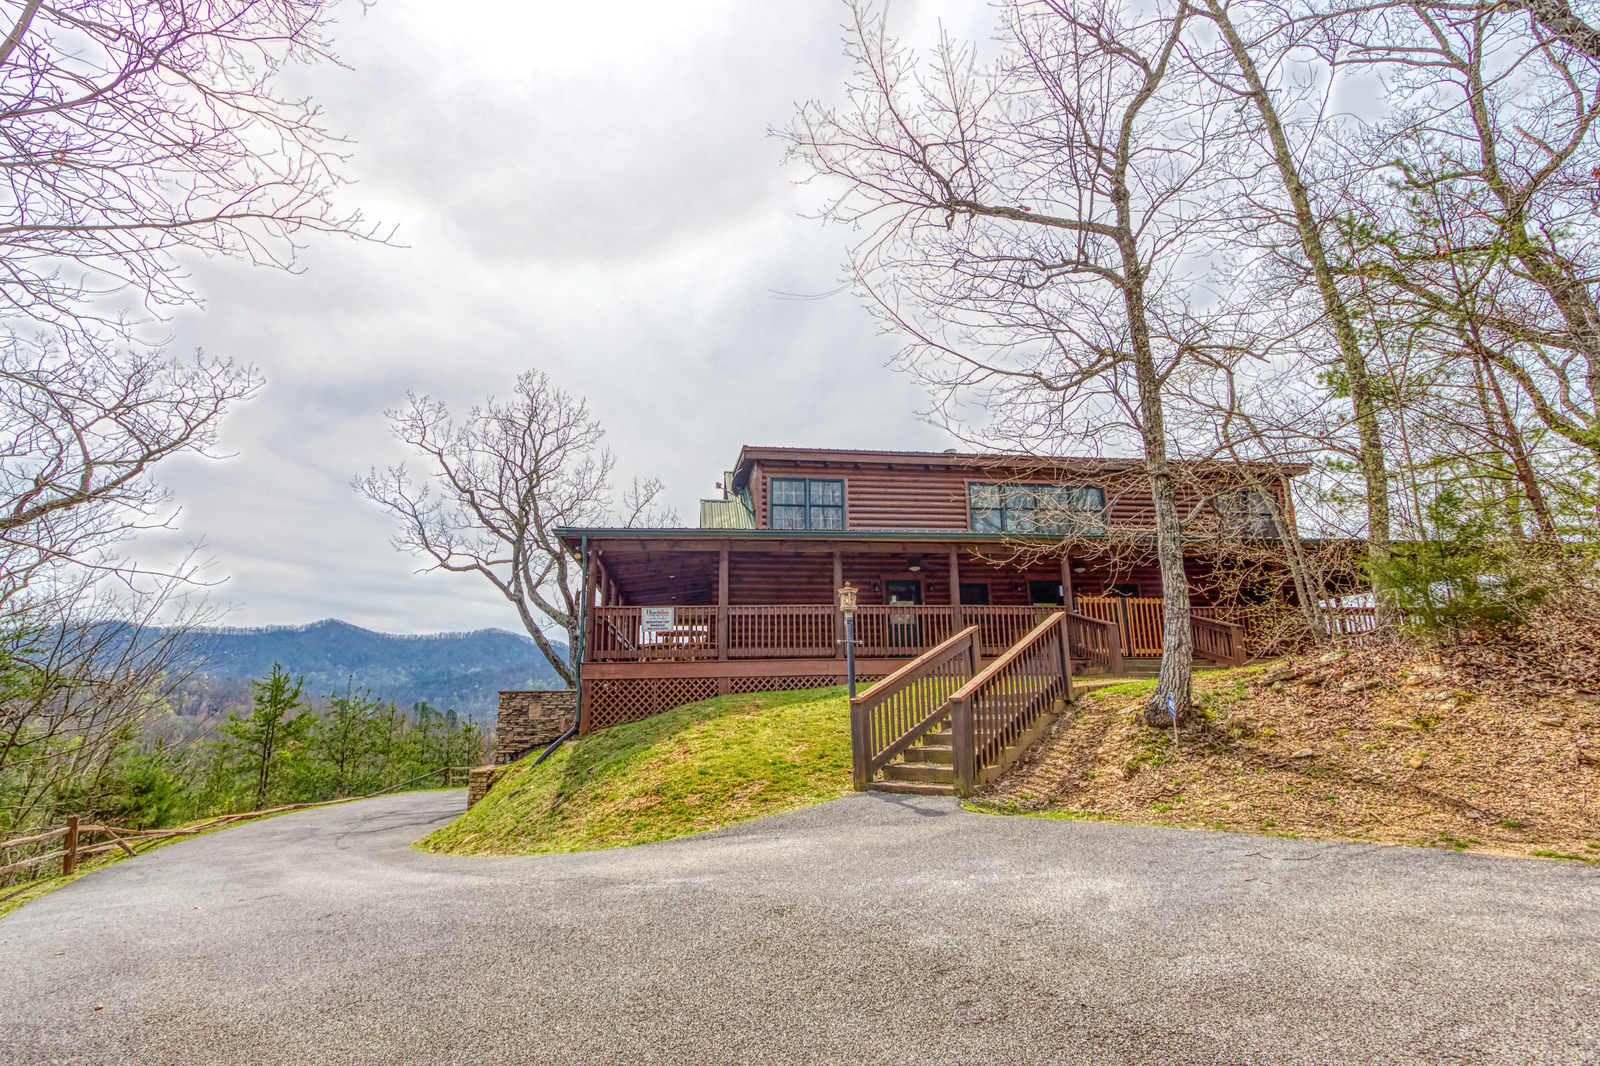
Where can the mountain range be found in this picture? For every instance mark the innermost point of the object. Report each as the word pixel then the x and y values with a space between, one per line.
pixel 463 671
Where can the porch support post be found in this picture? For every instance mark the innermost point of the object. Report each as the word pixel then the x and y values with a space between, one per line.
pixel 1066 577
pixel 839 649
pixel 590 572
pixel 955 589
pixel 722 604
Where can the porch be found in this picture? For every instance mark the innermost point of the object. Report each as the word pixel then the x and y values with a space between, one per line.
pixel 683 615
pixel 814 631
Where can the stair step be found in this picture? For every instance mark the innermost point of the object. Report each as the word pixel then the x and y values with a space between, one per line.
pixel 919 771
pixel 919 753
pixel 911 788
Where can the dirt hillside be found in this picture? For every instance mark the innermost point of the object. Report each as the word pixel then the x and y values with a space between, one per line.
pixel 1377 745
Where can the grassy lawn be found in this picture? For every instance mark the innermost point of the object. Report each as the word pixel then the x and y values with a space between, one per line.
pixel 697 767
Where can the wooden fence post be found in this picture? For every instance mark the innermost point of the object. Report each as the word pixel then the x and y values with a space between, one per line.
pixel 963 745
pixel 1064 642
pixel 860 734
pixel 69 861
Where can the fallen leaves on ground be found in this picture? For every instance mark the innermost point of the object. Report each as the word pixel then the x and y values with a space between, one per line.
pixel 1390 745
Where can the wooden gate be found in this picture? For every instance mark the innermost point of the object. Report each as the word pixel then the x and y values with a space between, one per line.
pixel 1138 618
pixel 1140 622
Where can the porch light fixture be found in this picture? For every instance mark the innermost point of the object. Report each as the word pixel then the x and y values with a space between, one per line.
pixel 914 565
pixel 1079 569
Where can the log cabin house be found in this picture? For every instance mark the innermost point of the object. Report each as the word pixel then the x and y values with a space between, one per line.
pixel 934 542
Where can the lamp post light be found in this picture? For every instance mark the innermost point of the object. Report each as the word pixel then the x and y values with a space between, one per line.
pixel 847 607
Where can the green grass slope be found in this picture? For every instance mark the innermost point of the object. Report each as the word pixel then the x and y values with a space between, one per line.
pixel 696 767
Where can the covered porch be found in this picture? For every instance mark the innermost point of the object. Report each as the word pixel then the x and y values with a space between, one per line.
pixel 681 615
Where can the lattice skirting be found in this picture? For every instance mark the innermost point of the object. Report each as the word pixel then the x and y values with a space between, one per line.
pixel 617 700
pixel 778 684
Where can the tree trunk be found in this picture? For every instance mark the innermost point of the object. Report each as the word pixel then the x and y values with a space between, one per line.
pixel 1511 441
pixel 1357 374
pixel 1308 588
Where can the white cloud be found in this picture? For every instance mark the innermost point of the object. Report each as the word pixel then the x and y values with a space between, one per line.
pixel 586 189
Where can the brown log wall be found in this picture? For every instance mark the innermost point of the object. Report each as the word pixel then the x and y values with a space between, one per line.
pixel 923 496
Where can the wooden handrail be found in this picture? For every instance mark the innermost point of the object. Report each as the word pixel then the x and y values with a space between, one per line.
pixel 915 664
pixel 1025 682
pixel 1110 631
pixel 1232 635
pixel 893 706
pixel 1011 655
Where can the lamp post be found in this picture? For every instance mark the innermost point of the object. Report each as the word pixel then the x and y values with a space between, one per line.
pixel 847 607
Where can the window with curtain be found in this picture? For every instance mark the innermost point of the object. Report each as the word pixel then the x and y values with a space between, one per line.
pixel 806 503
pixel 1052 510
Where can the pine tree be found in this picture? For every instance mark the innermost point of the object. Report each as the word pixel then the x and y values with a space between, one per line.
pixel 263 742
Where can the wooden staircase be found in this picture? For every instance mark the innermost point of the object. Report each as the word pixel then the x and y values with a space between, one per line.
pixel 941 725
pixel 926 768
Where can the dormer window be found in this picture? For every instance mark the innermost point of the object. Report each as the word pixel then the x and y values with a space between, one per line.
pixel 1051 510
pixel 806 503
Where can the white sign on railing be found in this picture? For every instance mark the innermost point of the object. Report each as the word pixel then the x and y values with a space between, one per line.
pixel 657 619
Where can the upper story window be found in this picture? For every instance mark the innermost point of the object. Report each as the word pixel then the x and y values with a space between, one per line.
pixel 1246 514
pixel 806 503
pixel 1049 509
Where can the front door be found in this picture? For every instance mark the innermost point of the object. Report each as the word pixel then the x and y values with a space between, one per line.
pixel 905 630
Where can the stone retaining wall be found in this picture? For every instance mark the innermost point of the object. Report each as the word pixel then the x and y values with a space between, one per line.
pixel 532 719
pixel 480 779
pixel 529 720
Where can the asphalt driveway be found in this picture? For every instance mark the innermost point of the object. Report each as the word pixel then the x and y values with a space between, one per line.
pixel 873 929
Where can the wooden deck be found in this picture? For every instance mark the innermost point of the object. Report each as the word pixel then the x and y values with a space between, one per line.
pixel 815 631
pixel 641 661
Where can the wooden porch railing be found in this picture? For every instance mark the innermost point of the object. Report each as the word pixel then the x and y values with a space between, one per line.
pixel 804 632
pixel 891 715
pixel 1140 622
pixel 885 632
pixel 1221 642
pixel 1095 641
pixel 1001 627
pixel 1350 621
pixel 997 707
pixel 617 635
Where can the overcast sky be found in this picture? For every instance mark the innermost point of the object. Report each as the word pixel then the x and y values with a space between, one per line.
pixel 585 189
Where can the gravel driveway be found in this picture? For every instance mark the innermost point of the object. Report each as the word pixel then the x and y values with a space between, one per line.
pixel 873 929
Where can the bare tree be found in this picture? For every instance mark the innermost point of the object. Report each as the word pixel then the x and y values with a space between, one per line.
pixel 80 430
pixel 501 484
pixel 1558 18
pixel 1029 228
pixel 1300 214
pixel 81 672
pixel 1493 236
pixel 133 129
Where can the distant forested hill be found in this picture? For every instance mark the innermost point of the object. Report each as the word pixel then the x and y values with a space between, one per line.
pixel 464 671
